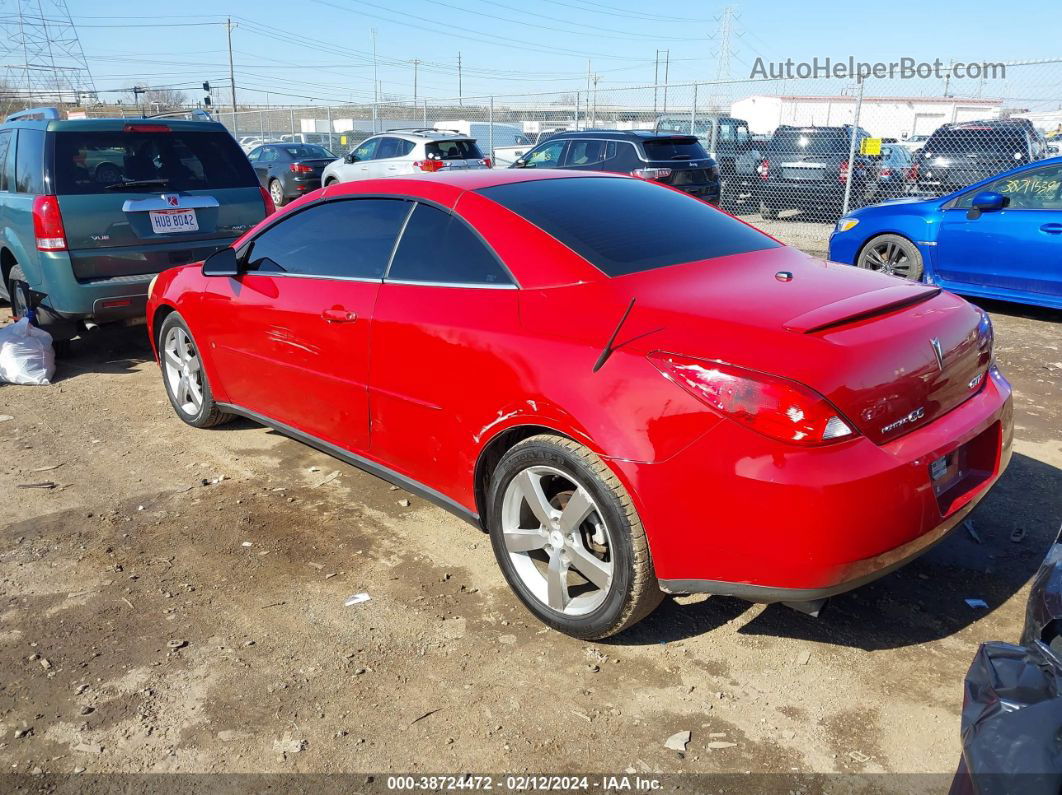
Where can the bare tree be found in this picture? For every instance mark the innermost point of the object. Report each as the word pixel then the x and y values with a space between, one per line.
pixel 157 98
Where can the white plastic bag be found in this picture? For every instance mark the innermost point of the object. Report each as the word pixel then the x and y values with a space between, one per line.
pixel 26 354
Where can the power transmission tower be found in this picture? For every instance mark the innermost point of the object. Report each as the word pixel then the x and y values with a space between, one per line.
pixel 726 33
pixel 41 55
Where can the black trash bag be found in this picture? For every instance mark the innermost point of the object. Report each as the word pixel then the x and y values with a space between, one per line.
pixel 1011 723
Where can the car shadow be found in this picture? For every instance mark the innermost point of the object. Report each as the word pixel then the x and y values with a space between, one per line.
pixel 109 349
pixel 921 602
pixel 1026 311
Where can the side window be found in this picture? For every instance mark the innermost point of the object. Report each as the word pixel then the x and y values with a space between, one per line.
pixel 270 155
pixel 29 162
pixel 548 156
pixel 393 147
pixel 367 151
pixel 439 247
pixel 586 154
pixel 8 164
pixel 254 155
pixel 1035 189
pixel 5 146
pixel 351 238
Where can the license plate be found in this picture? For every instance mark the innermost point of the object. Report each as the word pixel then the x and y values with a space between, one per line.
pixel 166 221
pixel 947 470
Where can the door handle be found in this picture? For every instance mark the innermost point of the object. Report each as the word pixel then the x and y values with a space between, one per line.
pixel 1052 229
pixel 338 316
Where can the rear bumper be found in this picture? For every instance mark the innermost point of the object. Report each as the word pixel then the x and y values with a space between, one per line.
pixel 738 513
pixel 798 195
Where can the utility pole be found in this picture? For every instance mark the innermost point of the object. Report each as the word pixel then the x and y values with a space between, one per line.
pixel 947 77
pixel 667 67
pixel 594 117
pixel 656 79
pixel 460 89
pixel 588 89
pixel 375 83
pixel 232 72
pixel 416 62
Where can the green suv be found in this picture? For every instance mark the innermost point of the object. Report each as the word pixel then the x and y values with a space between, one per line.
pixel 92 209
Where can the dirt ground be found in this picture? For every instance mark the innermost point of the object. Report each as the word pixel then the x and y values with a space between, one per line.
pixel 176 603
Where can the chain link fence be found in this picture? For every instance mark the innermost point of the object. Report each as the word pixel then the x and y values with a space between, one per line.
pixel 794 154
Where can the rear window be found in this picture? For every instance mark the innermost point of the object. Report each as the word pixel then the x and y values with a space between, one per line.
pixel 307 152
pixel 674 149
pixel 463 149
pixel 811 142
pixel 628 225
pixel 976 140
pixel 98 162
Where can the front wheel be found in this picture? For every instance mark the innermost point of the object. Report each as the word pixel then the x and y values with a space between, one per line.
pixel 568 539
pixel 185 379
pixel 894 255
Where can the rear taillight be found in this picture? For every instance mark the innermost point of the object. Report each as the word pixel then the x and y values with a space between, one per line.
pixel 773 406
pixel 487 162
pixel 912 173
pixel 267 200
pixel 652 173
pixel 300 168
pixel 842 172
pixel 886 172
pixel 48 224
pixel 764 168
pixel 431 164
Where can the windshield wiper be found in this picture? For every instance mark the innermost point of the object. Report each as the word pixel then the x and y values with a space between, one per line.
pixel 137 183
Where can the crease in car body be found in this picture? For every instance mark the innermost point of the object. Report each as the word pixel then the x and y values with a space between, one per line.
pixel 469 395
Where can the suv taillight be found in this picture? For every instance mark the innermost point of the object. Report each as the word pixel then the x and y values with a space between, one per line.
pixel 912 173
pixel 487 162
pixel 431 164
pixel 885 172
pixel 764 169
pixel 267 200
pixel 842 172
pixel 300 168
pixel 48 224
pixel 652 173
pixel 773 406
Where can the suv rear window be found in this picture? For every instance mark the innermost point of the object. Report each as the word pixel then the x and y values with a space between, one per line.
pixel 461 149
pixel 628 225
pixel 811 142
pixel 674 149
pixel 976 140
pixel 98 161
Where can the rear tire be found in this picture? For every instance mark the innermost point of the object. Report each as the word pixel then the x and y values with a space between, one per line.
pixel 276 192
pixel 538 541
pixel 768 213
pixel 184 377
pixel 894 255
pixel 18 291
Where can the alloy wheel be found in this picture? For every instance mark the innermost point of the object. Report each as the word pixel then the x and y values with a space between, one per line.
pixel 887 257
pixel 276 192
pixel 184 371
pixel 558 541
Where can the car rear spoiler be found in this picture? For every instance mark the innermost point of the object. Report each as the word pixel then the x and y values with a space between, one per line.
pixel 860 307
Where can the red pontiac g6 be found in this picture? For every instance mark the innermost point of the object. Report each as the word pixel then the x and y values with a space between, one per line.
pixel 633 392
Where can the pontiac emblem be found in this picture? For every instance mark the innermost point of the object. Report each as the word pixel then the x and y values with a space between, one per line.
pixel 935 343
pixel 172 199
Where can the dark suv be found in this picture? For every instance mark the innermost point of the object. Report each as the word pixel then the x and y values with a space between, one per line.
pixel 728 142
pixel 957 155
pixel 676 160
pixel 806 168
pixel 92 209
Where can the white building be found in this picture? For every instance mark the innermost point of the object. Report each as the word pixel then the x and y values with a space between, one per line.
pixel 885 117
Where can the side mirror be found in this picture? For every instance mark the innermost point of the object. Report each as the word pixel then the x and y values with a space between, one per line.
pixel 989 202
pixel 521 162
pixel 349 158
pixel 221 263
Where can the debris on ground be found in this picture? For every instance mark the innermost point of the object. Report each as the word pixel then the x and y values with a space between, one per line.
pixel 88 748
pixel 804 657
pixel 289 745
pixel 858 756
pixel 404 503
pixel 327 478
pixel 47 484
pixel 678 741
pixel 975 603
pixel 356 599
pixel 717 745
pixel 1018 535
pixel 969 525
pixel 176 644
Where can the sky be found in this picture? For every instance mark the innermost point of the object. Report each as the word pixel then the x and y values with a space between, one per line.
pixel 320 51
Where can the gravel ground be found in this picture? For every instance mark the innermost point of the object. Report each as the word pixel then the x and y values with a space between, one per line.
pixel 176 603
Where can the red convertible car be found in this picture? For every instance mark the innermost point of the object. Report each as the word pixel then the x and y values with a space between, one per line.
pixel 633 392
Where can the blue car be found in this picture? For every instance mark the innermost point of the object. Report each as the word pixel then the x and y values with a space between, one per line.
pixel 998 238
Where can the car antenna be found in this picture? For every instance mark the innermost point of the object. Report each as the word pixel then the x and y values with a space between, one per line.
pixel 608 346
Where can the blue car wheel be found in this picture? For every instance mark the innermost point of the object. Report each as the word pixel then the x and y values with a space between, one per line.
pixel 894 255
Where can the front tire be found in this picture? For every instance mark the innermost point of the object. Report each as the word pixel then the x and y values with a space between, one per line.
pixel 186 381
pixel 568 539
pixel 894 255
